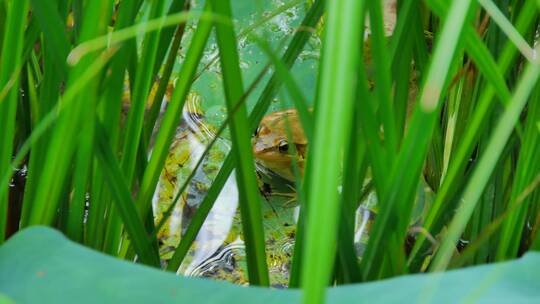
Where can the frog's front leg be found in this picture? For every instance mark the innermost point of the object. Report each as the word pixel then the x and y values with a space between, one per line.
pixel 264 188
pixel 293 197
pixel 265 183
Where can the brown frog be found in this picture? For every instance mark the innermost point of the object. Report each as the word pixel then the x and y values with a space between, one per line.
pixel 271 143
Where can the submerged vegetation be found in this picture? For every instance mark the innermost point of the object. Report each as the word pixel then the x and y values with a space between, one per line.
pixel 114 114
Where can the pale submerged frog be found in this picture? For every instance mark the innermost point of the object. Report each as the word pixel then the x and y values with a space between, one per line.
pixel 271 143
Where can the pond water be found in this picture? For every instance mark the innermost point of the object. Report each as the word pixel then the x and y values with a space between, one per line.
pixel 218 251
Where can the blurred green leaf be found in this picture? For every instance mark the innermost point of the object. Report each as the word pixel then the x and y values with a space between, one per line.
pixel 55 274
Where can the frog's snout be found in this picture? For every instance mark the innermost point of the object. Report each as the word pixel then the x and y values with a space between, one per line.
pixel 258 148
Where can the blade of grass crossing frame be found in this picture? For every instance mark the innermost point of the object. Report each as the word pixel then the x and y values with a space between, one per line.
pixel 51 117
pixel 483 170
pixel 333 121
pixel 297 44
pixel 100 231
pixel 143 82
pixel 9 80
pixel 172 116
pixel 163 82
pixel 478 52
pixel 527 169
pixel 382 75
pixel 166 34
pixel 123 202
pixel 295 47
pixel 52 26
pixel 292 87
pixel 132 138
pixel 250 204
pixel 208 202
pixel 200 215
pixel 64 139
pixel 54 72
pixel 506 26
pixel 476 125
pixel 398 200
pixel 354 174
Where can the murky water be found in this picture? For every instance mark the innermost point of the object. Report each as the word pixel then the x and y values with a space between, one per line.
pixel 219 251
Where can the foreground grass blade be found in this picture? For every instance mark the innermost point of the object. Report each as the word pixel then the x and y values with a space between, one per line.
pixel 477 124
pixel 110 114
pixel 295 47
pixel 52 26
pixel 133 132
pixel 487 163
pixel 164 77
pixel 54 72
pixel 250 203
pixel 11 51
pixel 296 94
pixel 382 75
pixel 143 82
pixel 398 199
pixel 527 168
pixel 123 201
pixel 200 216
pixel 333 122
pixel 172 116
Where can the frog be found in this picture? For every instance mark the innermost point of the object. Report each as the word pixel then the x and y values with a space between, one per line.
pixel 271 143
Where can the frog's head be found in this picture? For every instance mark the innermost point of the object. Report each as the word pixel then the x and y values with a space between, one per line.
pixel 271 143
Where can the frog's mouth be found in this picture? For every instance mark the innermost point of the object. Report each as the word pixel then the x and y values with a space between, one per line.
pixel 281 169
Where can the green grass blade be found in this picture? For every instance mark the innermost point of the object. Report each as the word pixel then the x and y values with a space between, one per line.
pixel 477 124
pixel 172 116
pixel 130 32
pixel 132 138
pixel 166 34
pixel 296 94
pixel 83 162
pixel 101 231
pixel 398 200
pixel 294 49
pixel 54 72
pixel 354 174
pixel 3 14
pixel 9 83
pixel 164 81
pixel 382 75
pixel 527 168
pixel 200 216
pixel 64 139
pixel 483 170
pixel 333 122
pixel 250 204
pixel 143 82
pixel 53 28
pixel 507 27
pixel 123 202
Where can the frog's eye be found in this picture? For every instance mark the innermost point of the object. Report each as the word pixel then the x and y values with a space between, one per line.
pixel 283 146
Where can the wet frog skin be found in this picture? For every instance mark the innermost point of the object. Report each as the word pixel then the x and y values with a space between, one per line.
pixel 271 143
